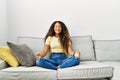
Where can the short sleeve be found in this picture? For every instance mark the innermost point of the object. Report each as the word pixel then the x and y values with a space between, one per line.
pixel 48 40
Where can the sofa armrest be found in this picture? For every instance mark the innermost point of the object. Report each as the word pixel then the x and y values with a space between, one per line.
pixel 3 64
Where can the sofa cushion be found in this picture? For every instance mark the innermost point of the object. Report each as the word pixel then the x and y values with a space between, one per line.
pixel 27 73
pixel 7 55
pixel 116 66
pixel 85 45
pixel 107 50
pixel 86 70
pixel 3 64
pixel 23 54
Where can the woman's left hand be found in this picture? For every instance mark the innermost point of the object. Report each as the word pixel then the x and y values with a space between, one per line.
pixel 77 54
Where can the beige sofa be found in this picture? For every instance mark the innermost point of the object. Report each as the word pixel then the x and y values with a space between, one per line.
pixel 100 59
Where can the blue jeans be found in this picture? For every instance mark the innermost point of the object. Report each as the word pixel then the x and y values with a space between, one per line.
pixel 57 59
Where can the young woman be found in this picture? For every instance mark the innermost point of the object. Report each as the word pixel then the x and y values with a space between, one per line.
pixel 59 45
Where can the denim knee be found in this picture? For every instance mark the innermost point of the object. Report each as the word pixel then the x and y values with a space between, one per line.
pixel 72 61
pixel 38 62
pixel 45 64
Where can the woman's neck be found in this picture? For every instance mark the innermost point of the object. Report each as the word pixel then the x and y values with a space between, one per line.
pixel 57 35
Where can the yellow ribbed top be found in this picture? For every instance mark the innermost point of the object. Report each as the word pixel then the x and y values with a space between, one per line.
pixel 54 44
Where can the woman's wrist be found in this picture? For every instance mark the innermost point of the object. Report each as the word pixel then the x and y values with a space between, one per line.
pixel 73 53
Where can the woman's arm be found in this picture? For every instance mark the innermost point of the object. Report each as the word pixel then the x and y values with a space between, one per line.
pixel 43 53
pixel 71 52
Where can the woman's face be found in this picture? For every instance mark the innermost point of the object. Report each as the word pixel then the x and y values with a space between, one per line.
pixel 57 28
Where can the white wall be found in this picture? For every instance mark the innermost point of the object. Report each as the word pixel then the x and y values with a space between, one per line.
pixel 99 18
pixel 3 22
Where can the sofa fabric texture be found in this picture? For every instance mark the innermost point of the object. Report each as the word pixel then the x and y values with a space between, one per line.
pixel 3 64
pixel 27 73
pixel 108 48
pixel 86 70
pixel 85 46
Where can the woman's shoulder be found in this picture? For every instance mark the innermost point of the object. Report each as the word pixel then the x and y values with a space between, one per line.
pixel 49 37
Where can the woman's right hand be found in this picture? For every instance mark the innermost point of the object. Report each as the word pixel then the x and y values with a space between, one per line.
pixel 38 56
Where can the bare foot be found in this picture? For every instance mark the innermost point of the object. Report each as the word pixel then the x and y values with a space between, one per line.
pixel 58 67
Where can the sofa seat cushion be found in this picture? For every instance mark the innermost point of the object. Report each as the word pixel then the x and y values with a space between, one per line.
pixel 3 64
pixel 27 73
pixel 86 70
pixel 116 66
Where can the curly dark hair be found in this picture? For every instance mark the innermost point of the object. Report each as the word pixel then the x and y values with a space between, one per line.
pixel 64 35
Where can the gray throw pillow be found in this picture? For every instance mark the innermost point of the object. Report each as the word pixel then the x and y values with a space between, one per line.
pixel 23 54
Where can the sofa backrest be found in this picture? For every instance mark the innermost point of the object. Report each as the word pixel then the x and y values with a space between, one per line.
pixel 35 43
pixel 107 50
pixel 82 43
pixel 85 45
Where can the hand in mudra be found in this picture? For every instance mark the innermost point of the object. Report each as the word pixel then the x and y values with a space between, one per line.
pixel 77 54
pixel 38 56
